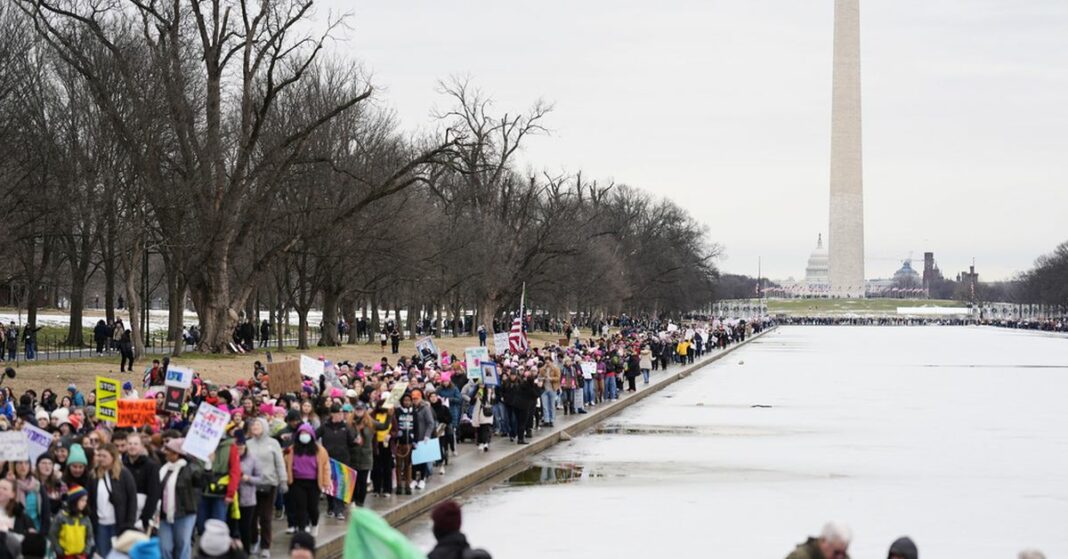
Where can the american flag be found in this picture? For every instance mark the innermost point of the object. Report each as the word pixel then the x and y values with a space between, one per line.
pixel 517 339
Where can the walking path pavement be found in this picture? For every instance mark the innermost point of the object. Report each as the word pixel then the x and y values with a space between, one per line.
pixel 472 467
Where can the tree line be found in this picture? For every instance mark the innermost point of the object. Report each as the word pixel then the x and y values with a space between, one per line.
pixel 213 148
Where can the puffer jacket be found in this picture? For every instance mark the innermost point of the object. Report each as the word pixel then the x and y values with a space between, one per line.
pixel 337 438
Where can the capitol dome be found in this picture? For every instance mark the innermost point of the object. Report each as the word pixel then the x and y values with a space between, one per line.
pixel 816 273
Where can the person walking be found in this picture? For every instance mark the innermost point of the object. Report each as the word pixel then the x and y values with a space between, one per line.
pixel 337 438
pixel 112 497
pixel 482 415
pixel 268 454
pixel 29 337
pixel 12 340
pixel 126 352
pixel 645 362
pixel 550 383
pixel 833 543
pixel 181 482
pixel 385 438
pixel 308 474
pixel 363 450
pixel 100 336
pixel 251 478
pixel 451 542
pixel 633 369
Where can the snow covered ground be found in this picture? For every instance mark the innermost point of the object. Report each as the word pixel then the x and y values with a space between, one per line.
pixel 956 436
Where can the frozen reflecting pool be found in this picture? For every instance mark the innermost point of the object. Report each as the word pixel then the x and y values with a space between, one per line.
pixel 956 436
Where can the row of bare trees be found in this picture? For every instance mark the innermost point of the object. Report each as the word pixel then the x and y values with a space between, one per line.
pixel 263 176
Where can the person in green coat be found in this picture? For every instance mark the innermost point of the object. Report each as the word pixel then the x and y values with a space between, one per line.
pixel 362 451
pixel 833 543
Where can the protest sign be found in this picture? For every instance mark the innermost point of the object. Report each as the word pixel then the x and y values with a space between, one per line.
pixel 174 397
pixel 588 369
pixel 395 395
pixel 37 441
pixel 107 396
pixel 342 481
pixel 284 377
pixel 179 376
pixel 205 432
pixel 312 368
pixel 489 374
pixel 474 357
pixel 425 348
pixel 500 342
pixel 13 447
pixel 426 451
pixel 135 413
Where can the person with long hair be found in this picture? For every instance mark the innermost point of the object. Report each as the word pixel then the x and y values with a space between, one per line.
pixel 363 451
pixel 28 494
pixel 53 489
pixel 308 473
pixel 14 524
pixel 269 455
pixel 181 483
pixel 385 439
pixel 112 497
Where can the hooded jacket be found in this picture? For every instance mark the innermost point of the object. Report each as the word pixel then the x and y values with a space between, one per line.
pixel 268 454
pixel 424 421
pixel 321 457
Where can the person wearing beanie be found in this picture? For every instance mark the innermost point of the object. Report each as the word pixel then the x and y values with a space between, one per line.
pixel 451 542
pixel 77 470
pixel 337 438
pixel 215 542
pixel 71 533
pixel 903 548
pixel 125 542
pixel 302 546
pixel 308 474
pixel 251 478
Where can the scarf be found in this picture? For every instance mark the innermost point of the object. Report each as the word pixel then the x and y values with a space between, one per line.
pixel 29 484
pixel 169 473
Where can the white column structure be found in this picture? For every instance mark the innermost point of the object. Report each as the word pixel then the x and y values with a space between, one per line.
pixel 846 233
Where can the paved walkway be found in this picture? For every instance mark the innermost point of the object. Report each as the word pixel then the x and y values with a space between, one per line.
pixel 472 467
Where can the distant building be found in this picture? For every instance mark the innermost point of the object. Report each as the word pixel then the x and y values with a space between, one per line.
pixel 969 281
pixel 817 274
pixel 931 273
pixel 906 276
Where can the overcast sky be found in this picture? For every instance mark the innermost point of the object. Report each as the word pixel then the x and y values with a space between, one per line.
pixel 724 106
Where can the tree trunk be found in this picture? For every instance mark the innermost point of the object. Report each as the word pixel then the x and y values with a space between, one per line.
pixel 348 310
pixel 328 336
pixel 77 302
pixel 302 328
pixel 108 253
pixel 131 264
pixel 376 324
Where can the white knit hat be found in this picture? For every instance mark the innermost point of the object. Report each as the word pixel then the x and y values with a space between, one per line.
pixel 215 541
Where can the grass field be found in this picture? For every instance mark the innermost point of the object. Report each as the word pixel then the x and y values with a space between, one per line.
pixel 822 307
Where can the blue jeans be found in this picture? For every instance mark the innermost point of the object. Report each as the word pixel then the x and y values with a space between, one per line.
pixel 587 392
pixel 548 406
pixel 645 375
pixel 210 507
pixel 103 535
pixel 175 540
pixel 500 419
pixel 31 350
pixel 610 390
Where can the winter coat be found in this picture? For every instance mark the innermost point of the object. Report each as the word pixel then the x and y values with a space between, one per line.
pixel 227 464
pixel 478 417
pixel 450 546
pixel 808 550
pixel 71 535
pixel 145 470
pixel 268 454
pixel 525 394
pixel 550 376
pixel 188 488
pixel 424 421
pixel 322 460
pixel 646 360
pixel 363 447
pixel 123 498
pixel 337 438
pixel 251 468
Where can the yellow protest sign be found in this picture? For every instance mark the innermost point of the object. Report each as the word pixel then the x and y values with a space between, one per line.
pixel 107 399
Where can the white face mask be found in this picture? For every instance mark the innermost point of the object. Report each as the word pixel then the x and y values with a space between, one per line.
pixel 304 438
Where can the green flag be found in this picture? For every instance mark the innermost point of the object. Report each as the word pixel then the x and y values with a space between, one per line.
pixel 371 537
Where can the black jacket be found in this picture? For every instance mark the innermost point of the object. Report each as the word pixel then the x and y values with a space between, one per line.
pixel 337 438
pixel 455 546
pixel 145 471
pixel 123 498
pixel 525 394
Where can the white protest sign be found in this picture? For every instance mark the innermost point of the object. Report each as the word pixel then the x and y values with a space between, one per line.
pixel 311 367
pixel 474 356
pixel 37 441
pixel 13 447
pixel 500 342
pixel 588 369
pixel 179 377
pixel 205 432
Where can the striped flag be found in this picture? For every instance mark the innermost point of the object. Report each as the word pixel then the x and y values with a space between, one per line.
pixel 517 339
pixel 342 481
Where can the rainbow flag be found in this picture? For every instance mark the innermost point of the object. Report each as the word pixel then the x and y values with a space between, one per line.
pixel 342 481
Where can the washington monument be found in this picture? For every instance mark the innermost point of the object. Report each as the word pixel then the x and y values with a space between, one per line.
pixel 846 232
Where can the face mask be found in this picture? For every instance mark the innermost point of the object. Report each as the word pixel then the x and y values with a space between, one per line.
pixel 304 438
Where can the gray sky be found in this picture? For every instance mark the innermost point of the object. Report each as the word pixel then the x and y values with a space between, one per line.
pixel 724 106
